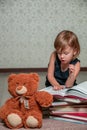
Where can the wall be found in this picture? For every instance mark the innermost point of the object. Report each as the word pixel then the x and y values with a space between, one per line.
pixel 28 29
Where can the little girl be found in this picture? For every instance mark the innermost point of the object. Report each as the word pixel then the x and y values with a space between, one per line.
pixel 64 66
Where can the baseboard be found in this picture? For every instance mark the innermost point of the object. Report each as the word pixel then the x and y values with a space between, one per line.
pixel 7 70
pixel 83 68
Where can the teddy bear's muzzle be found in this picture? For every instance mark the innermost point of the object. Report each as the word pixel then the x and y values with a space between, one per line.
pixel 21 90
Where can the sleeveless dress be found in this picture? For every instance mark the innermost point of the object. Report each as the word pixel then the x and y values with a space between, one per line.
pixel 59 75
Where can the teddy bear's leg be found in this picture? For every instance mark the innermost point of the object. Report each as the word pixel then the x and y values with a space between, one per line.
pixel 33 120
pixel 14 120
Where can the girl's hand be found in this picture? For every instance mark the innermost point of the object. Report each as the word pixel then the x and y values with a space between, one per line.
pixel 59 87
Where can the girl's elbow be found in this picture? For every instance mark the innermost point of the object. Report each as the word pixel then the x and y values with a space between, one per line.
pixel 49 77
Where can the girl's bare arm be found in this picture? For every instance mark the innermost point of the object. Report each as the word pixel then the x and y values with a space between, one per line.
pixel 73 73
pixel 50 74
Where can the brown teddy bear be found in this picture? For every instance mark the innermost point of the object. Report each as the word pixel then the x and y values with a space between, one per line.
pixel 24 107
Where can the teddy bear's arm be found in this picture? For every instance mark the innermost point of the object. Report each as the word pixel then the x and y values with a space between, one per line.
pixel 44 98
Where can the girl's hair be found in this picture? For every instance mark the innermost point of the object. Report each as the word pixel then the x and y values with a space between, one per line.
pixel 67 38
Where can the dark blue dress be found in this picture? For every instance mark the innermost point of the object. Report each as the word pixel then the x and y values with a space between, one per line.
pixel 59 75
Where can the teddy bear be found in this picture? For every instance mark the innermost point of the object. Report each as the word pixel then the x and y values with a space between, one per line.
pixel 24 107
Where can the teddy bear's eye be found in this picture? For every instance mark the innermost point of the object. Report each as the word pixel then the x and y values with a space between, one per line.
pixel 24 83
pixel 17 83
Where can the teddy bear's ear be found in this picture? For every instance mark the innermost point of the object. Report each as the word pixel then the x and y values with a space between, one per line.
pixel 35 76
pixel 11 77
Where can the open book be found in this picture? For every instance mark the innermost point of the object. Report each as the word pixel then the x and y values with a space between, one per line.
pixel 78 91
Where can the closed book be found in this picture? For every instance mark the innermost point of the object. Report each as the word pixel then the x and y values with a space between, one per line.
pixel 57 112
pixel 76 116
pixel 68 120
pixel 68 101
pixel 80 114
pixel 60 103
pixel 66 108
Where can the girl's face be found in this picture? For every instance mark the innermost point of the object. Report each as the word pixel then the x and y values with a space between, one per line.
pixel 66 55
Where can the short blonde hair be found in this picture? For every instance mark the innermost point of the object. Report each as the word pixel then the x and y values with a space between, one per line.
pixel 67 38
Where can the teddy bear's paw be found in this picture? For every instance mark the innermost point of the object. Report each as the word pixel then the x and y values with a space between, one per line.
pixel 14 119
pixel 32 122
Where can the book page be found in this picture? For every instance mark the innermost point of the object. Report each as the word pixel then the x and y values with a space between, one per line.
pixel 55 92
pixel 82 87
pixel 75 94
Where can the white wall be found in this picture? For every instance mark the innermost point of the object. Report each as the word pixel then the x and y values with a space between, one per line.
pixel 28 29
